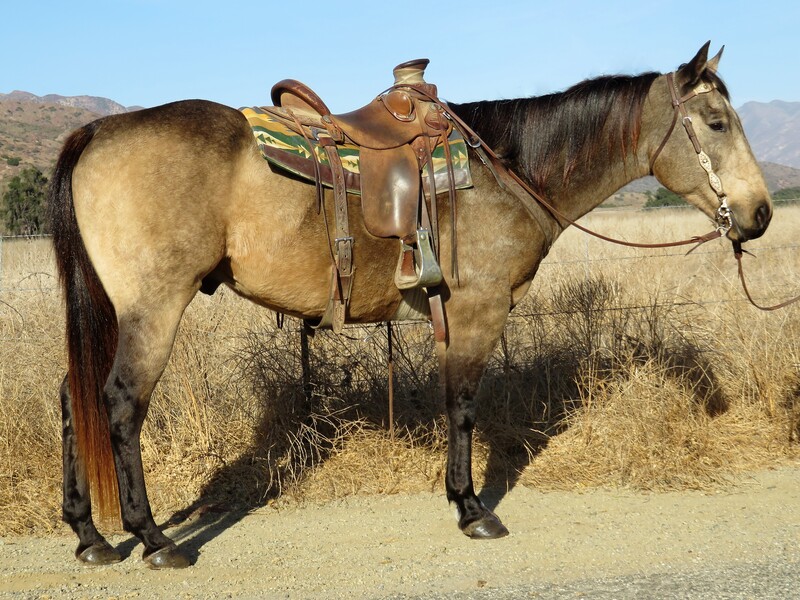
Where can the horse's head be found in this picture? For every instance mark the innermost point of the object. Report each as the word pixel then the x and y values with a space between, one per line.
pixel 697 148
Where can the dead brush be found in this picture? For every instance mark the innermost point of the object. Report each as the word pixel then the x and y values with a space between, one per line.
pixel 332 399
pixel 649 373
pixel 638 372
pixel 667 442
pixel 30 418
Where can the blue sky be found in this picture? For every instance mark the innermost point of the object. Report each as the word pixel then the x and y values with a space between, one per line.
pixel 147 52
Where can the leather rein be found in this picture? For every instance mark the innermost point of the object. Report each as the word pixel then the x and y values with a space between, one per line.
pixel 723 216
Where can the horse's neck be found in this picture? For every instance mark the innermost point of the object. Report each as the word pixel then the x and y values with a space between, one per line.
pixel 591 185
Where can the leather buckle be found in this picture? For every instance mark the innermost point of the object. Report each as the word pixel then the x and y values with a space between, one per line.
pixel 343 248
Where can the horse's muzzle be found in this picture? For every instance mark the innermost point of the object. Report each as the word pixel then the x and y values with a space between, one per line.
pixel 752 226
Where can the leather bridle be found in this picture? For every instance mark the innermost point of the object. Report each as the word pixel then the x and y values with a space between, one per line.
pixel 723 217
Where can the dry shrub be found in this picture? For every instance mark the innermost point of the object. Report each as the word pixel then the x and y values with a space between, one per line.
pixel 620 368
pixel 371 461
pixel 646 430
pixel 30 423
pixel 327 433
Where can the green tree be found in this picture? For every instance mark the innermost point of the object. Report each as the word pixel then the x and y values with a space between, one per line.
pixel 25 203
pixel 663 197
pixel 792 193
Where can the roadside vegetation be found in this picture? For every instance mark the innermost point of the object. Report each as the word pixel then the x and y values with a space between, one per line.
pixel 646 370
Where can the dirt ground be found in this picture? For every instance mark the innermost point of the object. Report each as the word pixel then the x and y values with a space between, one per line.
pixel 408 546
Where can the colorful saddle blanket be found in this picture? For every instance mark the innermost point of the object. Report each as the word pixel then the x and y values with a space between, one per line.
pixel 290 151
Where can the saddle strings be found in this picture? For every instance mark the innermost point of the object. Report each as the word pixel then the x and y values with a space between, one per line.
pixel 320 190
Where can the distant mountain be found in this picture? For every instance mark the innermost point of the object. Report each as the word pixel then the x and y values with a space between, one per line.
pixel 780 177
pixel 773 130
pixel 99 106
pixel 31 134
pixel 32 128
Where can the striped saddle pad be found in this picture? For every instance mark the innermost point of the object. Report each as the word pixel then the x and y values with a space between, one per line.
pixel 289 150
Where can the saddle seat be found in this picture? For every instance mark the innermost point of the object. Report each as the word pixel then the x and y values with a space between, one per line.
pixel 395 134
pixel 393 119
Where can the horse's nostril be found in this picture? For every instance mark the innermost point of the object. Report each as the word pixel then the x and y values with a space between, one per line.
pixel 763 216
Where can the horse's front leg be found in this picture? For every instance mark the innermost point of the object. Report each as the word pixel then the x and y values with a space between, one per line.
pixel 473 331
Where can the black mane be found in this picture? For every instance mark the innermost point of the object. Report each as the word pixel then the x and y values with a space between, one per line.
pixel 538 136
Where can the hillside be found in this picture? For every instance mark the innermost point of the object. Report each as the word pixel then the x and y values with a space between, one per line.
pixel 773 130
pixel 780 176
pixel 33 133
pixel 32 128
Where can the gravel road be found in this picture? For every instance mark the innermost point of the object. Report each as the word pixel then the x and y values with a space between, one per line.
pixel 740 542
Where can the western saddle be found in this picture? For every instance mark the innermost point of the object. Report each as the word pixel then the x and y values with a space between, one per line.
pixel 396 135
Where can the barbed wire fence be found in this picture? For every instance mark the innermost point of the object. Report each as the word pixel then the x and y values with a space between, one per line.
pixel 27 275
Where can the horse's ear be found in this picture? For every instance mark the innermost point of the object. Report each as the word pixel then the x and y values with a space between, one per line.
pixel 713 64
pixel 690 73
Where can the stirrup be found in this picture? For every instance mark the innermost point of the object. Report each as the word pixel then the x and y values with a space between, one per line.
pixel 417 266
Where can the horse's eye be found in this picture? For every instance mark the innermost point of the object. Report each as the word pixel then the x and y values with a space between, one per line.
pixel 718 126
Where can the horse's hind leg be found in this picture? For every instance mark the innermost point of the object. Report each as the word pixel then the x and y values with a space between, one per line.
pixel 77 507
pixel 146 335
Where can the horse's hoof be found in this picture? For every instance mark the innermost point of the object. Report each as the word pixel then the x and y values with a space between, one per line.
pixel 168 557
pixel 488 527
pixel 100 553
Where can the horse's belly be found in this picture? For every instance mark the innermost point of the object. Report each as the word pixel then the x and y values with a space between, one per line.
pixel 293 273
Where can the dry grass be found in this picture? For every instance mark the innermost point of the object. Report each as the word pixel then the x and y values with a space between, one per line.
pixel 641 369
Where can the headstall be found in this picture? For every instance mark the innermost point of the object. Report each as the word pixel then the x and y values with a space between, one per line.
pixel 723 217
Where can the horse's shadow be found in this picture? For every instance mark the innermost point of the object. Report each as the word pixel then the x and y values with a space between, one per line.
pixel 514 424
pixel 193 528
pixel 223 502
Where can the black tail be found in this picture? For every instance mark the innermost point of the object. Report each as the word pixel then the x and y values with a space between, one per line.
pixel 91 331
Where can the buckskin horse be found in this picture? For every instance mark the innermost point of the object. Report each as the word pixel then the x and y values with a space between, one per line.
pixel 151 206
